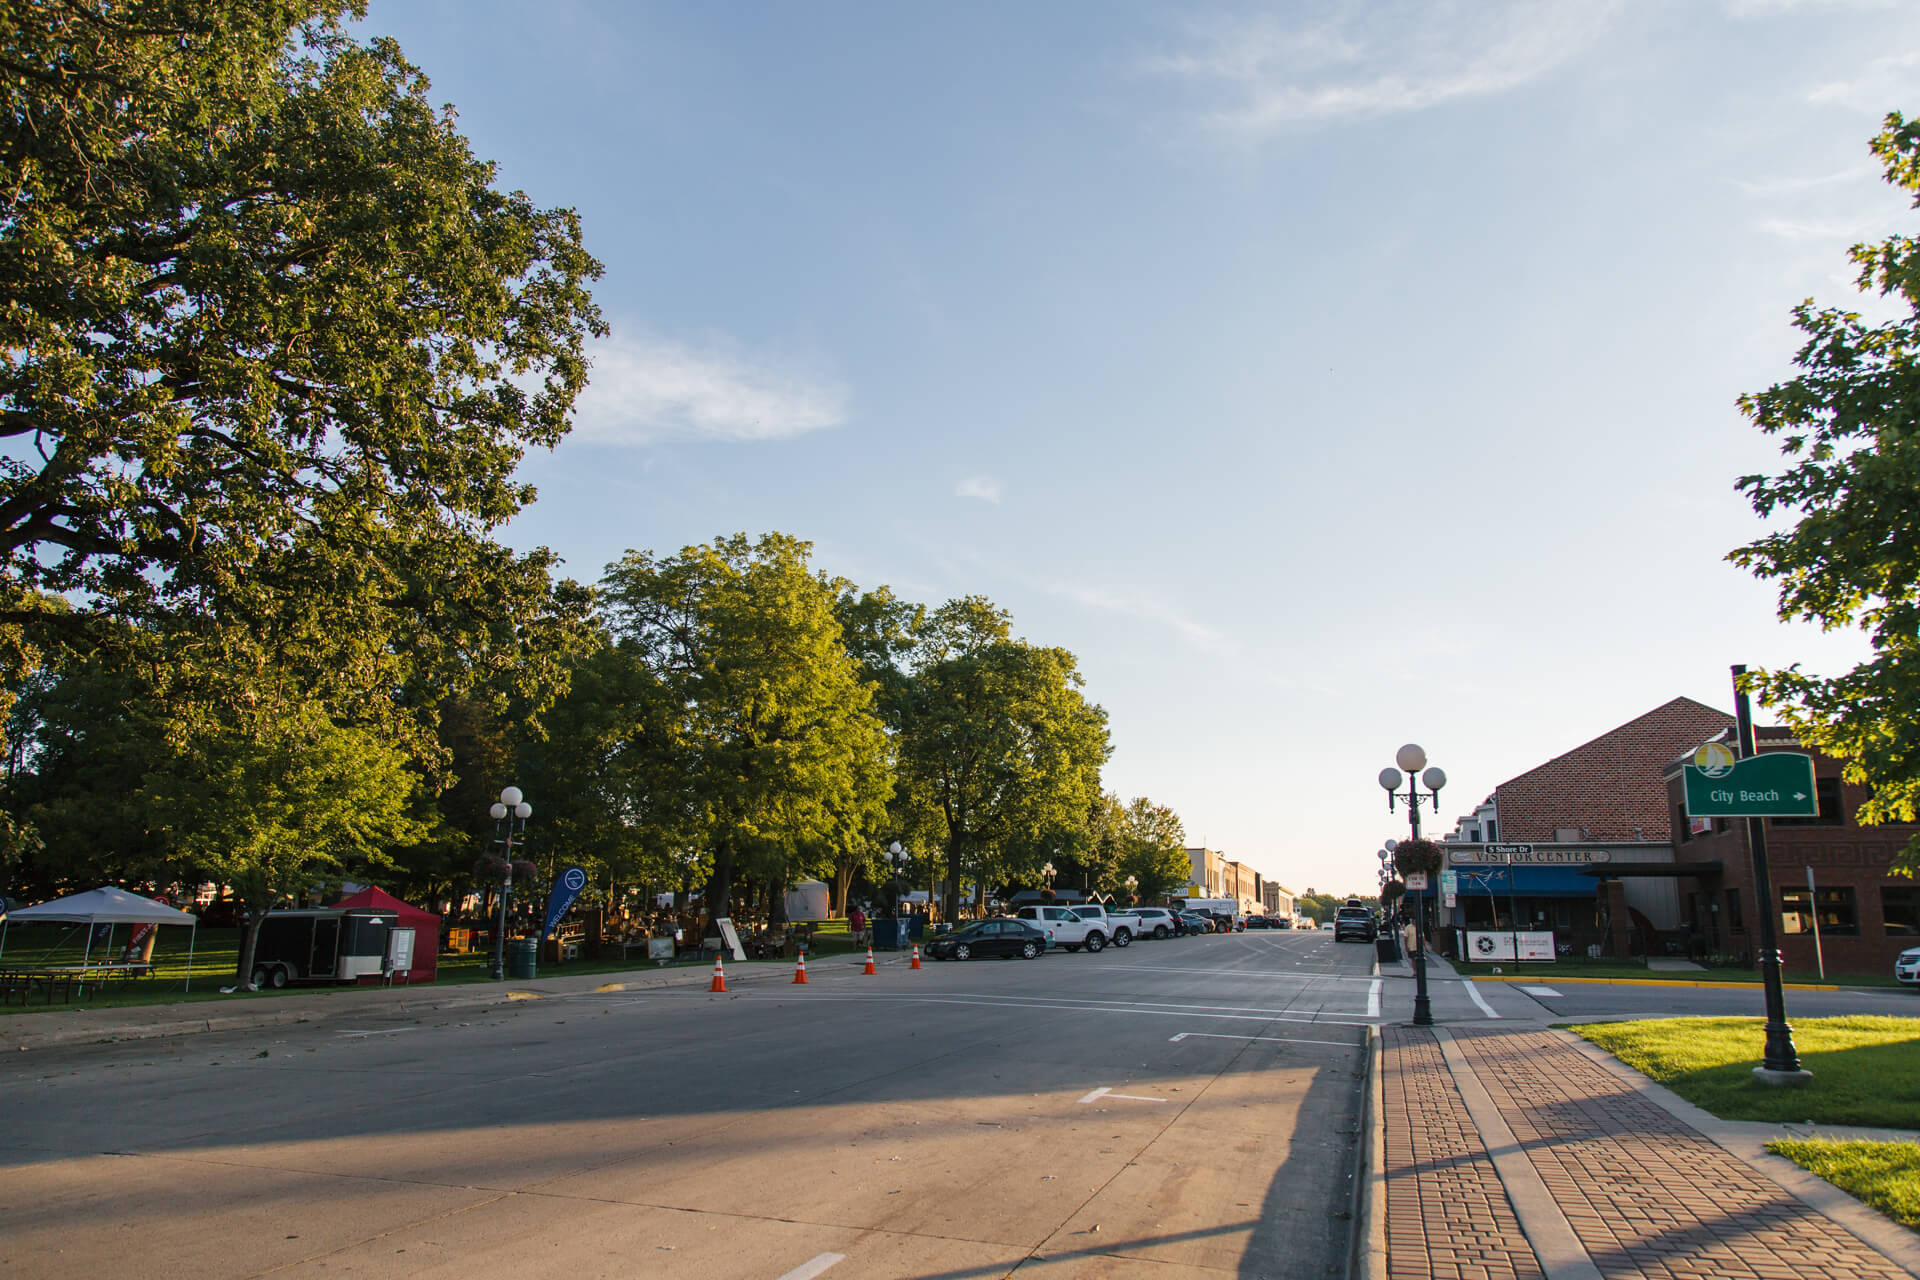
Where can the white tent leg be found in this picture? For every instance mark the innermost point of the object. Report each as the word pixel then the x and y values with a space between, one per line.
pixel 87 956
pixel 191 936
pixel 3 935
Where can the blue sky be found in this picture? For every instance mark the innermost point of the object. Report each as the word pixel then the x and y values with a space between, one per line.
pixel 1326 376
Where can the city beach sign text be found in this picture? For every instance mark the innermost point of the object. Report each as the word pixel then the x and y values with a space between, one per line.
pixel 1775 784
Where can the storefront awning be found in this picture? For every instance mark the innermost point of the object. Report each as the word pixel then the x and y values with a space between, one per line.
pixel 1706 867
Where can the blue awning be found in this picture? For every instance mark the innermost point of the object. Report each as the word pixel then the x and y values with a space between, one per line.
pixel 1529 882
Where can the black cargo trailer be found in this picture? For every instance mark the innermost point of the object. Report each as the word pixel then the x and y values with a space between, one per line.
pixel 335 944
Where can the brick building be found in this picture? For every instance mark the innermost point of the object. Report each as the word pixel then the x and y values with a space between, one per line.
pixel 1867 915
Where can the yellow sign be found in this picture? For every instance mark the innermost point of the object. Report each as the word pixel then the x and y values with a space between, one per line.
pixel 1715 759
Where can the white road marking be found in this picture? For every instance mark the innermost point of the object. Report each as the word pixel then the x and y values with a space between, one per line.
pixel 1373 999
pixel 1098 1094
pixel 385 1031
pixel 1196 1011
pixel 1549 992
pixel 1208 1035
pixel 1225 973
pixel 813 1266
pixel 1473 989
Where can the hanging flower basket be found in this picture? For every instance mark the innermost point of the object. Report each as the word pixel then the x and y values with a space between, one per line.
pixel 1392 890
pixel 1418 857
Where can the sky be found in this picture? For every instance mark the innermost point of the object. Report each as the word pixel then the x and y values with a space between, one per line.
pixel 1326 376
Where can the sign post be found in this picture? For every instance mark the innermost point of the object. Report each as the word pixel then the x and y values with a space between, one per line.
pixel 1781 1062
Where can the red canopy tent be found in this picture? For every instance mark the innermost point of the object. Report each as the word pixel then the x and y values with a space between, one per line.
pixel 425 926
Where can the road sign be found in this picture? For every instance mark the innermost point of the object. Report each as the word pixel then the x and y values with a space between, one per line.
pixel 1509 850
pixel 1775 784
pixel 1417 880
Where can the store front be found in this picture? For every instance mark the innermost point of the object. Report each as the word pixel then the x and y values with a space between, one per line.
pixel 1567 901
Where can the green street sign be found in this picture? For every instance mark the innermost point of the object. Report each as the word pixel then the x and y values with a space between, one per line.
pixel 1776 784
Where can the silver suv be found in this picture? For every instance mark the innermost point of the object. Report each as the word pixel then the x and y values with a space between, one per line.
pixel 1154 922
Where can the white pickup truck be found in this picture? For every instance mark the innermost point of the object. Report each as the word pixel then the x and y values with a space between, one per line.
pixel 1116 932
pixel 1065 927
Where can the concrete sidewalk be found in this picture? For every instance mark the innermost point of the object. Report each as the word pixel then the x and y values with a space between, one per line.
pixel 1522 1151
pixel 78 1023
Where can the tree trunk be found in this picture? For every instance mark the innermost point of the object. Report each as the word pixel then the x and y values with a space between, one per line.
pixel 256 909
pixel 719 886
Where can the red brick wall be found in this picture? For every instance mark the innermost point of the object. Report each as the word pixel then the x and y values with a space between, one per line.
pixel 1612 787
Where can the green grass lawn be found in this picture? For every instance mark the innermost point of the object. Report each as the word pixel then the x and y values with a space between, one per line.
pixel 1638 969
pixel 216 954
pixel 1885 1175
pixel 1866 1071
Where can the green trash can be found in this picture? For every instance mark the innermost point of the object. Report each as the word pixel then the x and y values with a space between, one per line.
pixel 523 957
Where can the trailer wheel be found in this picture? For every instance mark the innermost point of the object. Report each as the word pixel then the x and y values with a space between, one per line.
pixel 260 976
pixel 277 977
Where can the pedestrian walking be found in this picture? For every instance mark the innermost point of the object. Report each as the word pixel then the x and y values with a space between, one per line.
pixel 857 921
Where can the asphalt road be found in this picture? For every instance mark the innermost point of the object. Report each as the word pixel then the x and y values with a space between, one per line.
pixel 1179 1108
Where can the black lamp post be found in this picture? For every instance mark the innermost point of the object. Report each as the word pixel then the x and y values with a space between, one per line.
pixel 510 809
pixel 1047 874
pixel 897 860
pixel 1413 758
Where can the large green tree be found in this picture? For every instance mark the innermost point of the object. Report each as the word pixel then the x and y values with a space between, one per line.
pixel 999 743
pixel 785 752
pixel 1850 424
pixel 275 343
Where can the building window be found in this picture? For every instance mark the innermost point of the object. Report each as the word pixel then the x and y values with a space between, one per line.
pixel 1900 904
pixel 1493 830
pixel 1827 791
pixel 1837 916
pixel 1733 912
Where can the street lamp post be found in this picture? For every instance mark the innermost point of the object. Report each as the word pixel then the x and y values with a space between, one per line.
pixel 1046 874
pixel 510 809
pixel 1413 758
pixel 897 859
pixel 1133 884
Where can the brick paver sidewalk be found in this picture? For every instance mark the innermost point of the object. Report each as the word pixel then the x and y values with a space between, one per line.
pixel 1645 1194
pixel 1447 1214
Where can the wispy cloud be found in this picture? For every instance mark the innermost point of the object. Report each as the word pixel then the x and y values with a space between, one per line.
pixel 1881 86
pixel 985 488
pixel 646 390
pixel 1143 607
pixel 1773 8
pixel 1850 230
pixel 1258 75
pixel 1794 186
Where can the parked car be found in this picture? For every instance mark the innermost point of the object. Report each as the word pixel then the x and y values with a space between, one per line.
pixel 1326 926
pixel 1065 927
pixel 1259 922
pixel 1153 922
pixel 1354 922
pixel 1197 922
pixel 1000 937
pixel 1118 933
pixel 1906 967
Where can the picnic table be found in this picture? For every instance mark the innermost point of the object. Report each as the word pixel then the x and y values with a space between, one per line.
pixel 66 979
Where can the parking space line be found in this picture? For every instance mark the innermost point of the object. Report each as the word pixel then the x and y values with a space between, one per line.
pixel 1098 1094
pixel 1373 999
pixel 1209 1035
pixel 813 1266
pixel 1196 1011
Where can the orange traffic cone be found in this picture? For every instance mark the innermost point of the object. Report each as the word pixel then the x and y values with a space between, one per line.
pixel 869 968
pixel 916 957
pixel 719 976
pixel 800 971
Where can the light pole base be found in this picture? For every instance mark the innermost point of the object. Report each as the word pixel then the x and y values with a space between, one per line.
pixel 1781 1079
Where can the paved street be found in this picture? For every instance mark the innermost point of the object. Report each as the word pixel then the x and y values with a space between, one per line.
pixel 1185 1107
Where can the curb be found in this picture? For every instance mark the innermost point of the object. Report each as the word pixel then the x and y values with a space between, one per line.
pixel 78 1026
pixel 1662 982
pixel 1367 1259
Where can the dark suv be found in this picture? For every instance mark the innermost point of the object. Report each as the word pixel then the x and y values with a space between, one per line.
pixel 1353 922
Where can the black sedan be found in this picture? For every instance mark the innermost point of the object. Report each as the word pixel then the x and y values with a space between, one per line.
pixel 990 938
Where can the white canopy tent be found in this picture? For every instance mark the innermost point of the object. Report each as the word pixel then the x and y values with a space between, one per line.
pixel 104 905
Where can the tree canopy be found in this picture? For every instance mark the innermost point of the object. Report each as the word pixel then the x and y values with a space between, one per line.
pixel 1849 423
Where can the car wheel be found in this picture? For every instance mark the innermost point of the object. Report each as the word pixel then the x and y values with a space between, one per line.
pixel 260 976
pixel 1029 950
pixel 1160 932
pixel 1095 942
pixel 277 977
pixel 1122 938
pixel 962 952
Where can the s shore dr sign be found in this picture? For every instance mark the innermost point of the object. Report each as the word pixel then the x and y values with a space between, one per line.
pixel 1774 784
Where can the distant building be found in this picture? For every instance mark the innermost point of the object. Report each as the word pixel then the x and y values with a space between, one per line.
pixel 1204 881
